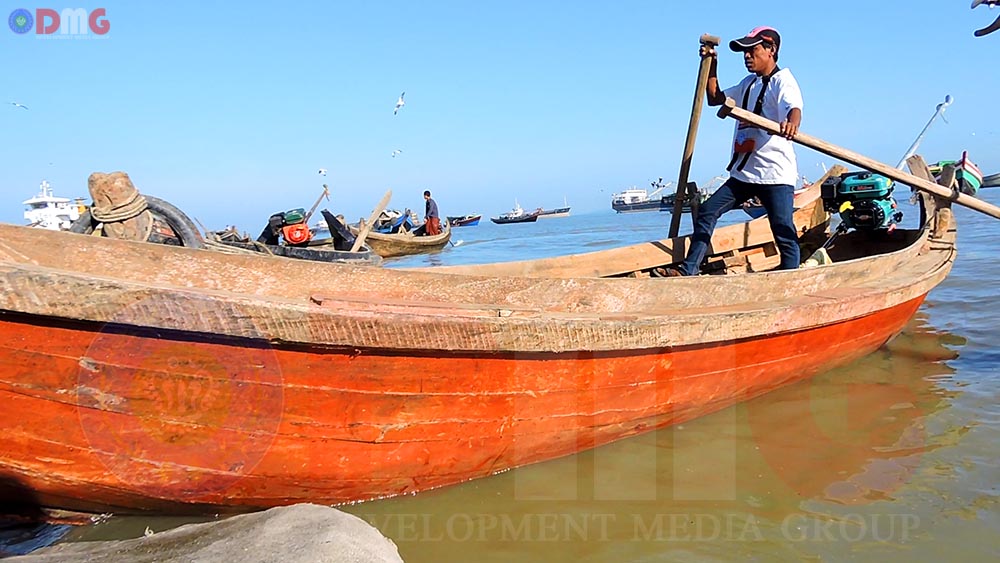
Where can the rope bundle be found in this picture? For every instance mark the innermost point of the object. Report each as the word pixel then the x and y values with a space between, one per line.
pixel 123 212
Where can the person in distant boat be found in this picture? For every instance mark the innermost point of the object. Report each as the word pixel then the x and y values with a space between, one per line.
pixel 432 219
pixel 761 165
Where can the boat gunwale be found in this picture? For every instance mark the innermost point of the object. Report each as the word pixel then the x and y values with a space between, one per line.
pixel 441 326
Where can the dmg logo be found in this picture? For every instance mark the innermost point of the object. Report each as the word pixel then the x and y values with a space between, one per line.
pixel 69 22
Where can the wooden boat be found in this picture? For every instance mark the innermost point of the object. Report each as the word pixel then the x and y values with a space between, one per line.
pixel 968 177
pixel 404 242
pixel 150 377
pixel 331 242
pixel 322 250
pixel 464 220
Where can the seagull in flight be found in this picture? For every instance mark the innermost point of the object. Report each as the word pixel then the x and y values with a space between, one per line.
pixel 322 171
pixel 399 104
pixel 22 106
pixel 396 152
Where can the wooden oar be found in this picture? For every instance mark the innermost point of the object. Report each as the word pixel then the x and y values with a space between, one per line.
pixel 326 194
pixel 730 109
pixel 692 134
pixel 363 234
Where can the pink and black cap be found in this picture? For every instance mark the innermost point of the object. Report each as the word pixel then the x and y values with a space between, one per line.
pixel 756 36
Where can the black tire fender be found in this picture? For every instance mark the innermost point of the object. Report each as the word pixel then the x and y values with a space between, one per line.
pixel 181 224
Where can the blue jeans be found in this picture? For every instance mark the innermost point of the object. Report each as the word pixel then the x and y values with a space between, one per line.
pixel 777 200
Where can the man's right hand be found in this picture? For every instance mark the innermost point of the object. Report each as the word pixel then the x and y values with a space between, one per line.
pixel 707 51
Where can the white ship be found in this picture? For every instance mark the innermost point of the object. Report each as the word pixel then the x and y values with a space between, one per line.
pixel 47 211
pixel 634 199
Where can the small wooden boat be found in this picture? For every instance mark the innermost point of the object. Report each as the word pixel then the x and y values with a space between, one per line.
pixel 968 177
pixel 329 242
pixel 320 250
pixel 464 220
pixel 151 377
pixel 515 215
pixel 405 242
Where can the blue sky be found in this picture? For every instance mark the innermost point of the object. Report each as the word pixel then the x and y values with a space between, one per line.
pixel 228 110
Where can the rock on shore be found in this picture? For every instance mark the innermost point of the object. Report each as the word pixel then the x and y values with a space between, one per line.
pixel 290 534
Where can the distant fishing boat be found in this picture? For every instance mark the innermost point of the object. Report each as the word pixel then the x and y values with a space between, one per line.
pixel 554 212
pixel 516 215
pixel 464 220
pixel 47 211
pixel 557 212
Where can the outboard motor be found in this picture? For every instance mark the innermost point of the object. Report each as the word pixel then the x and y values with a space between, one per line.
pixel 290 225
pixel 863 200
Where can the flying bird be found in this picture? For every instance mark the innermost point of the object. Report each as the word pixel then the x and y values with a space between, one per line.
pixel 22 106
pixel 322 171
pixel 399 104
pixel 993 26
pixel 396 152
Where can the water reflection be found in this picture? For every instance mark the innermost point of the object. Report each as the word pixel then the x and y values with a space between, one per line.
pixel 852 437
pixel 856 434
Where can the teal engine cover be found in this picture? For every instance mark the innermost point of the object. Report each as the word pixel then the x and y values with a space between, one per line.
pixel 863 200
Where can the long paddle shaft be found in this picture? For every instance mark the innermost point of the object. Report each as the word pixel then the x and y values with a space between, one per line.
pixel 326 194
pixel 730 109
pixel 363 234
pixel 699 94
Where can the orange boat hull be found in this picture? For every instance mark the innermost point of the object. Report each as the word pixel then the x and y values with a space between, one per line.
pixel 98 417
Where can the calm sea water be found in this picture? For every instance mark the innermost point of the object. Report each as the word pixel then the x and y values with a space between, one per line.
pixel 895 455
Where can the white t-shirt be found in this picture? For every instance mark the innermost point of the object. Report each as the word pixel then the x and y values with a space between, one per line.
pixel 772 160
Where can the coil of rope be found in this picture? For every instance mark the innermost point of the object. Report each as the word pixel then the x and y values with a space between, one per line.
pixel 117 213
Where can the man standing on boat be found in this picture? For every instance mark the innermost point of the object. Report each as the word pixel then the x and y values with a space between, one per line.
pixel 761 165
pixel 432 219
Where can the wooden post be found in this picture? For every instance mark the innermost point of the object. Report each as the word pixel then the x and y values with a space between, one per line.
pixel 692 134
pixel 730 109
pixel 367 227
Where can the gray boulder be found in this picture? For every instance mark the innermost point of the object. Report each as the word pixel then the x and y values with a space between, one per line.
pixel 290 534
